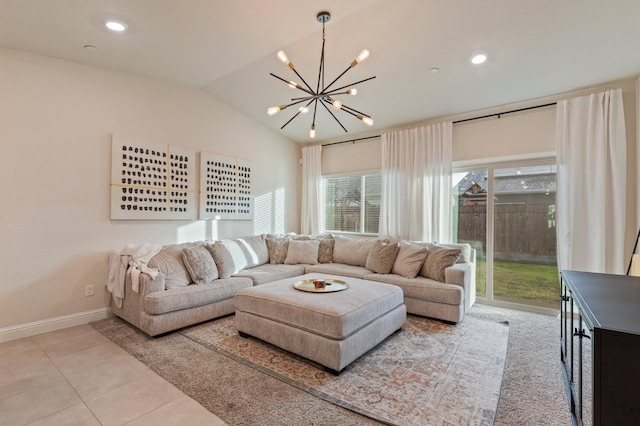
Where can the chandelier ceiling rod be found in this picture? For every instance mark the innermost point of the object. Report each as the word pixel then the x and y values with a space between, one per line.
pixel 322 93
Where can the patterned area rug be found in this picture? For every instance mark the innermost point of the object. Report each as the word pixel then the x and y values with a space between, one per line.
pixel 428 373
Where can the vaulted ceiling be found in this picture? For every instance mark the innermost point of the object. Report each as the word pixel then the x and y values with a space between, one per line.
pixel 228 48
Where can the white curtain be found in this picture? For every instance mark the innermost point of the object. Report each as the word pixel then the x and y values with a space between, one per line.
pixel 416 184
pixel 311 220
pixel 592 183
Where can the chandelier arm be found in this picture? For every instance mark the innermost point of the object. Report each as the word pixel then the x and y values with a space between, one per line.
pixel 291 119
pixel 297 87
pixel 303 80
pixel 336 79
pixel 296 102
pixel 349 109
pixel 333 115
pixel 332 92
pixel 304 98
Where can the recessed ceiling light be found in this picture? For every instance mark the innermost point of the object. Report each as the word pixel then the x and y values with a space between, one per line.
pixel 116 26
pixel 434 70
pixel 478 59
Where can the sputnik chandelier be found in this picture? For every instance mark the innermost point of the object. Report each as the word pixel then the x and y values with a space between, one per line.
pixel 323 94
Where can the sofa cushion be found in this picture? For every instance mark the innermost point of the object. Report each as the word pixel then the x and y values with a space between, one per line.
pixel 421 288
pixel 199 264
pixel 337 269
pixel 169 262
pixel 266 273
pixel 439 259
pixel 224 259
pixel 302 252
pixel 465 251
pixel 382 257
pixel 277 248
pixel 352 251
pixel 161 302
pixel 410 259
pixel 254 248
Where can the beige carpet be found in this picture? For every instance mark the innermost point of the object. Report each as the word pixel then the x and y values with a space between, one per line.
pixel 429 373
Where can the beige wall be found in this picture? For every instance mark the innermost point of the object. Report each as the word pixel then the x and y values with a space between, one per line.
pixel 56 122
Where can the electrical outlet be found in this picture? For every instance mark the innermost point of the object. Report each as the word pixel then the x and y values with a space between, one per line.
pixel 88 290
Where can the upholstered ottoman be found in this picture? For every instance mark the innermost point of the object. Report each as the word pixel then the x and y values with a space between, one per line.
pixel 332 329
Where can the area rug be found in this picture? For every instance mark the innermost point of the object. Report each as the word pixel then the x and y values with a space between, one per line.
pixel 428 373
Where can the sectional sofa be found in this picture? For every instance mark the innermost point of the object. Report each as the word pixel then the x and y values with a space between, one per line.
pixel 198 281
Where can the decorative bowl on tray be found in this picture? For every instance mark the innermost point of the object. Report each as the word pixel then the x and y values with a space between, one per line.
pixel 321 285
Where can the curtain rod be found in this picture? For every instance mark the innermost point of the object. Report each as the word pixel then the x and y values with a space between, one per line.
pixel 497 114
pixel 352 140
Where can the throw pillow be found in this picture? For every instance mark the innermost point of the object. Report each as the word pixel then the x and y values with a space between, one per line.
pixel 325 251
pixel 465 251
pixel 352 251
pixel 439 259
pixel 199 264
pixel 169 262
pixel 223 259
pixel 277 248
pixel 382 257
pixel 254 249
pixel 302 251
pixel 409 260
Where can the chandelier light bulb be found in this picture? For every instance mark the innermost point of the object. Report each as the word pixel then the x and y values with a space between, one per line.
pixel 312 132
pixel 293 84
pixel 284 58
pixel 337 104
pixel 353 91
pixel 366 120
pixel 361 57
pixel 274 110
pixel 304 110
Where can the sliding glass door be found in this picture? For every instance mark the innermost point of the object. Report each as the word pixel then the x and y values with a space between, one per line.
pixel 507 213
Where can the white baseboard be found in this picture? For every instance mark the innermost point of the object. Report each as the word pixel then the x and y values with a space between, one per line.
pixel 52 324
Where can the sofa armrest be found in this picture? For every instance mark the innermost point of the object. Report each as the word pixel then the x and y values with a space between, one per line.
pixel 458 274
pixel 464 275
pixel 149 285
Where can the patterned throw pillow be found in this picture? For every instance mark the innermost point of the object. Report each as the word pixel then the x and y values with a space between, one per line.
pixel 325 251
pixel 439 259
pixel 199 264
pixel 410 259
pixel 277 248
pixel 382 257
pixel 305 252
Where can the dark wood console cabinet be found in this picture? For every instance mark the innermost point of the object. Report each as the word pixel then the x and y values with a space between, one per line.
pixel 600 347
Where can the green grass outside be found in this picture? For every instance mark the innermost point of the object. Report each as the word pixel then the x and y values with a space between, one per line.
pixel 524 283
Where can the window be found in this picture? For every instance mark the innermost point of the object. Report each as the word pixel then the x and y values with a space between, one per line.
pixel 352 203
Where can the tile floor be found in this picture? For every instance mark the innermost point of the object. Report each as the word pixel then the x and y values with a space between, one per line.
pixel 76 376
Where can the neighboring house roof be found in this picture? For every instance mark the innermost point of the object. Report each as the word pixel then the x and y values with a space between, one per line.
pixel 475 184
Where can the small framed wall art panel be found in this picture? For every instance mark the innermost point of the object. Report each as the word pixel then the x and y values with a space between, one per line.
pixel 225 188
pixel 151 181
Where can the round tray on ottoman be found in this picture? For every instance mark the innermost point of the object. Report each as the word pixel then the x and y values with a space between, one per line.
pixel 328 285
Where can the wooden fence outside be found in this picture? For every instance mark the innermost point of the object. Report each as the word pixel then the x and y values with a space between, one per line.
pixel 522 231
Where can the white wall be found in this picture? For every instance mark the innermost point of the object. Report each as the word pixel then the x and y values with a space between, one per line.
pixel 56 122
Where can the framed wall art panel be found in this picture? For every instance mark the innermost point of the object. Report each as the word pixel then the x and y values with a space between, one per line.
pixel 151 181
pixel 225 188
